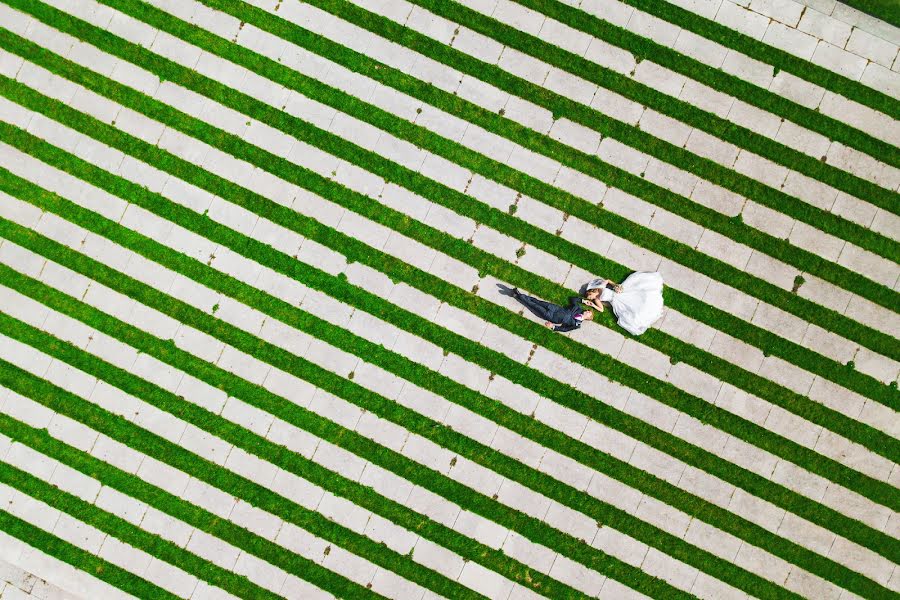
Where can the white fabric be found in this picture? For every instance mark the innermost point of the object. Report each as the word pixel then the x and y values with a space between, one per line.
pixel 639 304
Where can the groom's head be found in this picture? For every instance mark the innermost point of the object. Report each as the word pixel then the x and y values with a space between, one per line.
pixel 587 316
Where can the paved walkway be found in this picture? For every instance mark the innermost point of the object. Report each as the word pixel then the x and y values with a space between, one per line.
pixel 251 340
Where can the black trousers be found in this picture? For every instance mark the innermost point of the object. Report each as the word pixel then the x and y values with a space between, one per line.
pixel 540 308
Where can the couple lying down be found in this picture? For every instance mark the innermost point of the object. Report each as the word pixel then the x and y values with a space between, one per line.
pixel 637 303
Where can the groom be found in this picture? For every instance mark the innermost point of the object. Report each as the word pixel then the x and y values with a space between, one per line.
pixel 558 318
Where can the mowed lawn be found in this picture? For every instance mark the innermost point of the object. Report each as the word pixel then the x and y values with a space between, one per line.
pixel 252 340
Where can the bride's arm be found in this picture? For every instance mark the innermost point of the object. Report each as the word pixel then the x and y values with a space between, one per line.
pixel 595 305
pixel 609 283
pixel 613 286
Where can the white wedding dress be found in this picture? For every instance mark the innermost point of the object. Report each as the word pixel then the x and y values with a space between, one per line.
pixel 639 305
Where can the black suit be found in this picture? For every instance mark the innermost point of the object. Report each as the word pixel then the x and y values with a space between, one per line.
pixel 562 316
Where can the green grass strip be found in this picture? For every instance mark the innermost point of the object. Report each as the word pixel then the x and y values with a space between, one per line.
pixel 753 383
pixel 80 559
pixel 493 361
pixel 631 377
pixel 525 525
pixel 771 343
pixel 627 134
pixel 202 519
pixel 886 10
pixel 150 444
pixel 781 60
pixel 357 493
pixel 538 432
pixel 535 431
pixel 645 48
pixel 678 109
pixel 805 261
pixel 117 527
pixel 480 355
pixel 682 111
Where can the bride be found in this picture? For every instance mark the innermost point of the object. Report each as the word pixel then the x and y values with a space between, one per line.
pixel 637 302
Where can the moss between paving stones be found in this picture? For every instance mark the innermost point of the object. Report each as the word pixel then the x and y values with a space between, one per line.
pixel 288 363
pixel 732 228
pixel 119 528
pixel 781 60
pixel 404 467
pixel 633 136
pixel 128 433
pixel 717 79
pixel 81 559
pixel 477 353
pixel 772 343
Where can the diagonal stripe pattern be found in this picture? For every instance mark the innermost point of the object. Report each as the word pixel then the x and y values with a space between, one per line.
pixel 251 340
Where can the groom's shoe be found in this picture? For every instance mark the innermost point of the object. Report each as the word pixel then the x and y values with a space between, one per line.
pixel 516 293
